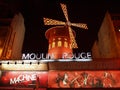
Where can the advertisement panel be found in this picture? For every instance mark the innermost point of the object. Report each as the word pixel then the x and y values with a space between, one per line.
pixel 84 79
pixel 24 79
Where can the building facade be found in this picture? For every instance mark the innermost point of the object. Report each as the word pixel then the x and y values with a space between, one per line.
pixel 107 45
pixel 11 38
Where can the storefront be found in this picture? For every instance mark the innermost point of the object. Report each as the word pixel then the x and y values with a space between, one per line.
pixel 35 75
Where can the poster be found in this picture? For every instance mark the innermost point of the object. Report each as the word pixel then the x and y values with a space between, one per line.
pixel 24 79
pixel 84 79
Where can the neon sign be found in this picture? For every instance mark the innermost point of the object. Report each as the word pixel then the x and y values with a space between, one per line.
pixel 83 56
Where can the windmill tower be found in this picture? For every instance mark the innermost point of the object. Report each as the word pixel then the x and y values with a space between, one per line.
pixel 62 38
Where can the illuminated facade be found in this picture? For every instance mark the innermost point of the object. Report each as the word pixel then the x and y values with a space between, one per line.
pixel 59 41
pixel 107 45
pixel 116 23
pixel 11 37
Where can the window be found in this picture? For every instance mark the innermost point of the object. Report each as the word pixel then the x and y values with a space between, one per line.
pixel 53 44
pixel 65 44
pixel 0 52
pixel 65 39
pixel 59 38
pixel 53 39
pixel 59 43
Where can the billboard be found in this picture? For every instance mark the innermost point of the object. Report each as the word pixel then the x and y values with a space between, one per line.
pixel 24 79
pixel 84 79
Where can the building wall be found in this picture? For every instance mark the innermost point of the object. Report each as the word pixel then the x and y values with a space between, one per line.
pixel 13 41
pixel 107 45
pixel 18 28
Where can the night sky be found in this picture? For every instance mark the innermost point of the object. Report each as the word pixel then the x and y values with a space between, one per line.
pixel 79 11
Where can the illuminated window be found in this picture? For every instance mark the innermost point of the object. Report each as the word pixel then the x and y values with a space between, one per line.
pixel 59 43
pixel 53 44
pixel 65 44
pixel 119 29
pixel 53 39
pixel 59 38
pixel 49 46
pixel 65 38
pixel 70 46
pixel 0 52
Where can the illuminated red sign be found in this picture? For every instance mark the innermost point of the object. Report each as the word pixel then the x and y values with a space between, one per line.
pixel 24 79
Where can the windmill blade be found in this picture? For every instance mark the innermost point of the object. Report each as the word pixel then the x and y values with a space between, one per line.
pixel 64 8
pixel 48 21
pixel 72 38
pixel 80 25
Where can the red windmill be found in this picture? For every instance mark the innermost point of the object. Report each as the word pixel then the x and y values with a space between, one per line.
pixel 61 38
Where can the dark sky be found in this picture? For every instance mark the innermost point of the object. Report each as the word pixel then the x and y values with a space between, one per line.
pixel 79 11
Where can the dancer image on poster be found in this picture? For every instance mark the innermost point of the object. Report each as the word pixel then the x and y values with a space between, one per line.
pixel 85 76
pixel 108 80
pixel 65 79
pixel 72 83
pixel 62 80
pixel 58 79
